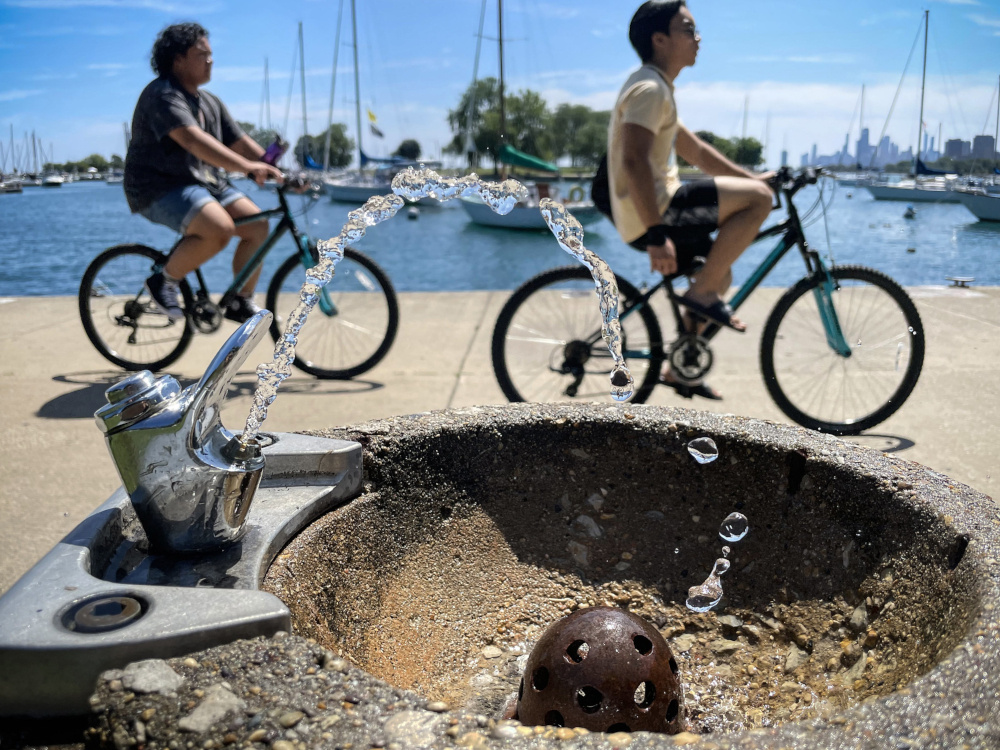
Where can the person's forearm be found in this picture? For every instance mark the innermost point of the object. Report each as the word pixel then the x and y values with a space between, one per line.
pixel 710 161
pixel 209 149
pixel 642 190
pixel 248 148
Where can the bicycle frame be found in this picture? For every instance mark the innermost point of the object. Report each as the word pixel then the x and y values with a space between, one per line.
pixel 790 231
pixel 286 224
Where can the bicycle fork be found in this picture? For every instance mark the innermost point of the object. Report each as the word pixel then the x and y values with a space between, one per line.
pixel 823 293
pixel 310 257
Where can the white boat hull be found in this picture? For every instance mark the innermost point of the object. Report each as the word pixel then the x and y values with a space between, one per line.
pixel 358 194
pixel 525 216
pixel 912 194
pixel 985 207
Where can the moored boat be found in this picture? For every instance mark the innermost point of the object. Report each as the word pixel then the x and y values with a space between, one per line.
pixel 985 206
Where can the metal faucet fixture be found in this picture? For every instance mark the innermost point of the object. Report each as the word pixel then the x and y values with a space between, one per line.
pixel 191 481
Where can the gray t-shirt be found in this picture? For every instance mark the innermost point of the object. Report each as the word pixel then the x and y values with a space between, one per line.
pixel 156 163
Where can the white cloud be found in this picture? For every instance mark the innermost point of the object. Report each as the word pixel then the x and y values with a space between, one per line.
pixel 980 20
pixel 13 94
pixel 957 2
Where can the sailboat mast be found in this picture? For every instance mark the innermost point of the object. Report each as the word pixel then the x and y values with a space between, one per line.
pixel 923 84
pixel 357 84
pixel 503 110
pixel 996 131
pixel 470 143
pixel 34 150
pixel 302 74
pixel 333 89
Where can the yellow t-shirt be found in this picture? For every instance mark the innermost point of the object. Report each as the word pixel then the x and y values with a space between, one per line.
pixel 646 99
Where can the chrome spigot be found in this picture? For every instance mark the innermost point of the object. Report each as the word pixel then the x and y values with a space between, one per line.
pixel 191 481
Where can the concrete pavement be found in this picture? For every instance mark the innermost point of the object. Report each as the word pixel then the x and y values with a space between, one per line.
pixel 55 468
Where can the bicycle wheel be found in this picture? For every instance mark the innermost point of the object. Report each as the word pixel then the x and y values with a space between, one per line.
pixel 547 343
pixel 119 317
pixel 351 337
pixel 822 390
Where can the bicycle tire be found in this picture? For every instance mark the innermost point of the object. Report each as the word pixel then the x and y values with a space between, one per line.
pixel 119 318
pixel 361 332
pixel 883 327
pixel 579 320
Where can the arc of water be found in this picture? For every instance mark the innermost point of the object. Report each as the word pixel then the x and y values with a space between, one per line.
pixel 271 374
pixel 415 184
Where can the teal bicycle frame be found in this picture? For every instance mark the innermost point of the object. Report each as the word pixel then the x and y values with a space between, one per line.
pixel 286 224
pixel 791 235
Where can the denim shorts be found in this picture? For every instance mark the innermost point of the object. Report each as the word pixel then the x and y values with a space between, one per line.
pixel 177 208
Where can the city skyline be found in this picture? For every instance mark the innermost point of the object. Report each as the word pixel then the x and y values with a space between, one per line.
pixel 74 68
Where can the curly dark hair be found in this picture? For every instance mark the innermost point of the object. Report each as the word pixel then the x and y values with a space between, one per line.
pixel 172 41
pixel 652 16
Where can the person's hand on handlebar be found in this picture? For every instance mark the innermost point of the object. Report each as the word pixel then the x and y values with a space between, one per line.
pixel 260 171
pixel 768 178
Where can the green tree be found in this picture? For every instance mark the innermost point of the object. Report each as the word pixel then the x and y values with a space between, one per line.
pixel 591 141
pixel 408 149
pixel 748 152
pixel 95 160
pixel 117 162
pixel 264 137
pixel 341 147
pixel 567 122
pixel 483 119
pixel 528 121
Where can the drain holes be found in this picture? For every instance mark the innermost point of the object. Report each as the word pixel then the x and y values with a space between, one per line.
pixel 520 689
pixel 589 699
pixel 101 614
pixel 796 470
pixel 554 719
pixel 673 665
pixel 958 551
pixel 619 727
pixel 645 694
pixel 642 644
pixel 445 512
pixel 672 710
pixel 577 651
pixel 540 678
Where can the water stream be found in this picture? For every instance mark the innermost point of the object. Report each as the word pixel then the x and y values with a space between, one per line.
pixel 414 184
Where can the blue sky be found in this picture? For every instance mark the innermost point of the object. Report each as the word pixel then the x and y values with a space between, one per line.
pixel 72 69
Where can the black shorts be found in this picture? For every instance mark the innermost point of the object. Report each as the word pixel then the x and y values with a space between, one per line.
pixel 691 217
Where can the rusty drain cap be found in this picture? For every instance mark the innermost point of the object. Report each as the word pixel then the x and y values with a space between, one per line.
pixel 604 669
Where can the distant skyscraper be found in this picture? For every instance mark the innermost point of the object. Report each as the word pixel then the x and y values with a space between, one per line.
pixel 784 158
pixel 983 147
pixel 956 148
pixel 805 160
pixel 864 149
pixel 812 158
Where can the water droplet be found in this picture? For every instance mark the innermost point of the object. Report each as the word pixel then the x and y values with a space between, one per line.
pixel 702 598
pixel 734 527
pixel 725 551
pixel 704 450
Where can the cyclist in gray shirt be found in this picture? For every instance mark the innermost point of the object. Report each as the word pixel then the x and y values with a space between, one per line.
pixel 182 139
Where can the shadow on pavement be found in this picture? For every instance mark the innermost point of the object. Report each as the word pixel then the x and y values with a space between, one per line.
pixel 884 443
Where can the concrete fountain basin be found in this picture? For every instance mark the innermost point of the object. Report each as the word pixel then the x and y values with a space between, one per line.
pixel 859 611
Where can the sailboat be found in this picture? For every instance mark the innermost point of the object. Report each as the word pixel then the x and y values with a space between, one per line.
pixel 524 215
pixel 983 200
pixel 928 185
pixel 358 186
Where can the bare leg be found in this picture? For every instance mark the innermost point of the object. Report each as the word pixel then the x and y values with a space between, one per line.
pixel 251 236
pixel 743 206
pixel 209 232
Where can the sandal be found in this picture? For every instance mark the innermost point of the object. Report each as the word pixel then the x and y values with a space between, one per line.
pixel 690 391
pixel 718 312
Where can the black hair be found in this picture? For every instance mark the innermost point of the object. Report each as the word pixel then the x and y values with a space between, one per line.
pixel 172 41
pixel 652 16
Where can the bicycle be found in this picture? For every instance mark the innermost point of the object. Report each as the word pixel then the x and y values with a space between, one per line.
pixel 840 352
pixel 348 332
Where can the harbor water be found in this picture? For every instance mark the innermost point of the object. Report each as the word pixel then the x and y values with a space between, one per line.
pixel 50 235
